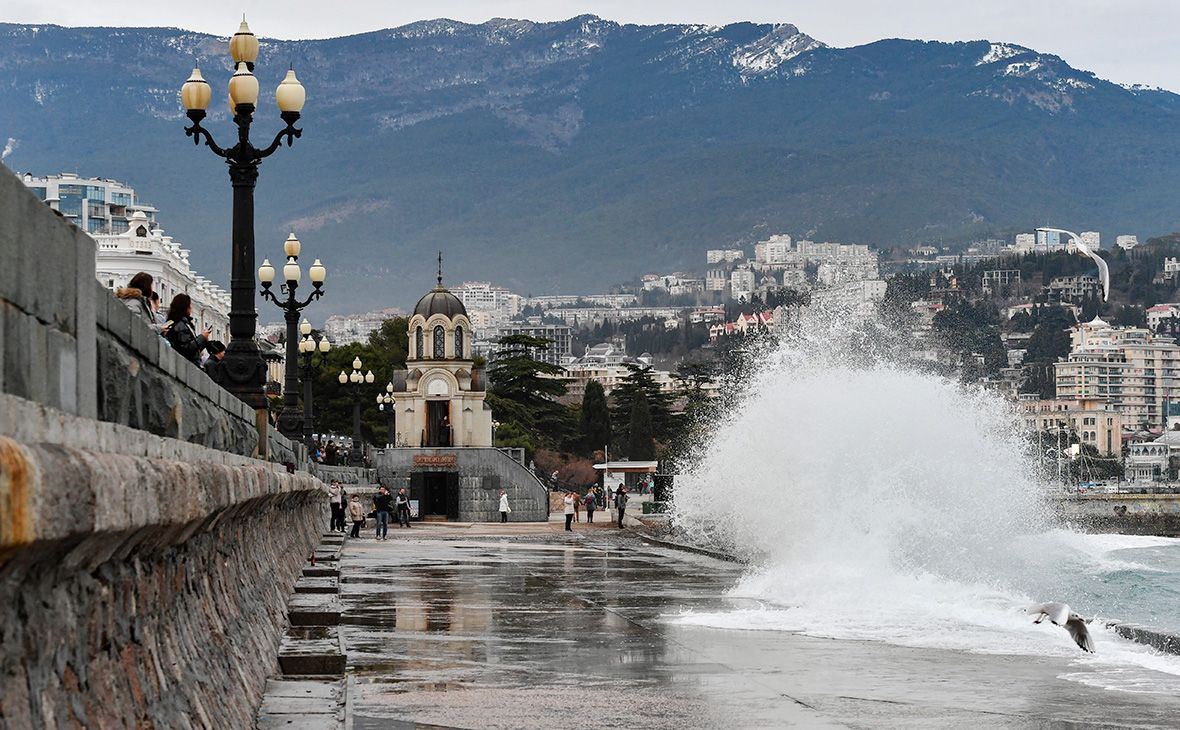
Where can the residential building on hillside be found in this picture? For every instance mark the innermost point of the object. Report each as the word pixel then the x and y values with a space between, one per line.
pixel 1127 242
pixel 856 297
pixel 716 279
pixel 1048 242
pixel 497 302
pixel 560 334
pixel 775 250
pixel 1160 313
pixel 607 363
pixel 996 278
pixel 345 329
pixel 717 255
pixel 1073 288
pixel 741 283
pixel 1171 268
pixel 96 205
pixel 1091 239
pixel 1132 368
pixel 1095 421
pixel 1025 243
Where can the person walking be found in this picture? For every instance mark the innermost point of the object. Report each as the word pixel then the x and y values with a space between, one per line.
pixel 590 507
pixel 504 508
pixel 336 501
pixel 403 509
pixel 569 510
pixel 182 334
pixel 356 512
pixel 621 503
pixel 384 504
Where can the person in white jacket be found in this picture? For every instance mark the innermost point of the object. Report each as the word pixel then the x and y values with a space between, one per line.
pixel 569 510
pixel 504 508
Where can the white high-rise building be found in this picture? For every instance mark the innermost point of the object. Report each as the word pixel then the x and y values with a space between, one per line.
pixel 499 303
pixel 1127 242
pixel 1025 243
pixel 1092 239
pixel 775 250
pixel 128 240
pixel 741 283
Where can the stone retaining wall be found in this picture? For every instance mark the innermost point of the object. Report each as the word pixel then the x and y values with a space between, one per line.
pixel 143 580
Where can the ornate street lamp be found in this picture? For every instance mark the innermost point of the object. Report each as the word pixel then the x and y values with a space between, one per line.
pixel 383 400
pixel 308 365
pixel 290 422
pixel 357 382
pixel 242 367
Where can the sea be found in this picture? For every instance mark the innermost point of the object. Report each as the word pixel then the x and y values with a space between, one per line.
pixel 874 499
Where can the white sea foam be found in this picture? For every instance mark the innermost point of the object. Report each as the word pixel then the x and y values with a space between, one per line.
pixel 877 502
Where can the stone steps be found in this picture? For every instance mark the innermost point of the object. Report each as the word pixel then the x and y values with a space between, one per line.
pixel 318 584
pixel 302 705
pixel 315 650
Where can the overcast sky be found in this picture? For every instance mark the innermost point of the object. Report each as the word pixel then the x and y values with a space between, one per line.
pixel 1127 41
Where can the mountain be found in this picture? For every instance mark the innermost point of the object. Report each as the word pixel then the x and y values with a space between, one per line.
pixel 572 155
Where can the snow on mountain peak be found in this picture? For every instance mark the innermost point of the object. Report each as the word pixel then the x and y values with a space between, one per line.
pixel 781 44
pixel 1000 51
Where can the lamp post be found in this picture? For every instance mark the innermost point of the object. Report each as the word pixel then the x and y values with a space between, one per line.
pixel 358 382
pixel 495 426
pixel 383 400
pixel 290 422
pixel 308 364
pixel 243 368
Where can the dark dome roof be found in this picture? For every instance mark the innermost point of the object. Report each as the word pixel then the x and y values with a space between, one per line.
pixel 440 301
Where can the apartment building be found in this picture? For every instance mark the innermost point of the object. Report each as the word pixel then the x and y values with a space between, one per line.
pixel 1094 420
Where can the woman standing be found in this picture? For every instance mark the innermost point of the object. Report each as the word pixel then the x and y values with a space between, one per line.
pixel 137 296
pixel 356 511
pixel 570 501
pixel 504 508
pixel 590 507
pixel 182 333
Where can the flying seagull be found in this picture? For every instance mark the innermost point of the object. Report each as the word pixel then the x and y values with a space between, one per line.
pixel 1083 249
pixel 1060 615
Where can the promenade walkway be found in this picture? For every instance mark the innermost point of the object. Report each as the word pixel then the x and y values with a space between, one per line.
pixel 526 626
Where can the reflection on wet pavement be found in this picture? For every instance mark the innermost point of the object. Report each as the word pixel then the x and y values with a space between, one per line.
pixel 549 631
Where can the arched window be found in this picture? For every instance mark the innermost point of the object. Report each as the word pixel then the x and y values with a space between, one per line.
pixel 459 342
pixel 440 342
pixel 418 344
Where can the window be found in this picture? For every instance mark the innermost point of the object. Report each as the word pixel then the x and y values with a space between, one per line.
pixel 439 339
pixel 418 344
pixel 94 192
pixel 459 342
pixel 123 199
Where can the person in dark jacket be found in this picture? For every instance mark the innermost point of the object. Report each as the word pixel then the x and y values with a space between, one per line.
pixel 182 333
pixel 621 503
pixel 137 296
pixel 212 364
pixel 384 504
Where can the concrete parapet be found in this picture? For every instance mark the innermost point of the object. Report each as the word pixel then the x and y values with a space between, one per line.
pixel 143 580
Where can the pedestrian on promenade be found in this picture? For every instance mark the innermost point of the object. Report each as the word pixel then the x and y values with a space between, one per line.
pixel 590 507
pixel 384 504
pixel 336 502
pixel 182 334
pixel 403 509
pixel 621 503
pixel 212 362
pixel 570 501
pixel 577 508
pixel 504 508
pixel 331 454
pixel 356 512
pixel 137 296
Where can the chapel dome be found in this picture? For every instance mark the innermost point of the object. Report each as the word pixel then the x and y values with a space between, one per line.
pixel 440 301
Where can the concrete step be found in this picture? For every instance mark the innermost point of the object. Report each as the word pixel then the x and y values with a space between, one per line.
pixel 327 553
pixel 324 584
pixel 314 609
pixel 321 571
pixel 314 650
pixel 302 705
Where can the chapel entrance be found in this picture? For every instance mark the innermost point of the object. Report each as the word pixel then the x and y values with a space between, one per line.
pixel 440 494
pixel 439 429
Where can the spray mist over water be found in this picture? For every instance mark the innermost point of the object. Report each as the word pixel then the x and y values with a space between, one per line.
pixel 877 501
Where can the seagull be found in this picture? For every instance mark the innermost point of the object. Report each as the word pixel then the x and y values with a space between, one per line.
pixel 1103 269
pixel 1060 615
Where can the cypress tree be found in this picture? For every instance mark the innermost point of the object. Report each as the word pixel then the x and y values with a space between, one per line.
pixel 595 425
pixel 641 445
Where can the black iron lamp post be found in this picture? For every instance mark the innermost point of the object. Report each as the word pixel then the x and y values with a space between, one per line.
pixel 308 365
pixel 358 381
pixel 290 421
pixel 385 404
pixel 242 367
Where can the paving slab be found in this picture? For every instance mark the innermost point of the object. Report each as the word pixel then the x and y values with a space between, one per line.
pixel 313 609
pixel 304 688
pixel 311 651
pixel 321 571
pixel 324 584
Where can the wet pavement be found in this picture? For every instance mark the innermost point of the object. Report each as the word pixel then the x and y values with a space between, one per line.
pixel 527 626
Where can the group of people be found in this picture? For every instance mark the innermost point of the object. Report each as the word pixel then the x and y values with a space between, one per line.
pixel 594 500
pixel 331 454
pixel 384 504
pixel 176 326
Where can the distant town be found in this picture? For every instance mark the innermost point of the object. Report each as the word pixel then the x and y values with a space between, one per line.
pixel 1093 381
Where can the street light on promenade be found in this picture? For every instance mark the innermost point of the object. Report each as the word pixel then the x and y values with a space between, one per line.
pixel 290 422
pixel 385 404
pixel 308 364
pixel 357 382
pixel 243 368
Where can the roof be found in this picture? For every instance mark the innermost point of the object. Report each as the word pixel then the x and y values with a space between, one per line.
pixel 625 467
pixel 440 301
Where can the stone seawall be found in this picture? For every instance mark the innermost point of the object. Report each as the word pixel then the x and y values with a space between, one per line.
pixel 1123 513
pixel 143 580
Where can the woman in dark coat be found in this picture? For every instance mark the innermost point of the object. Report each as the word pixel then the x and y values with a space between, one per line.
pixel 182 333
